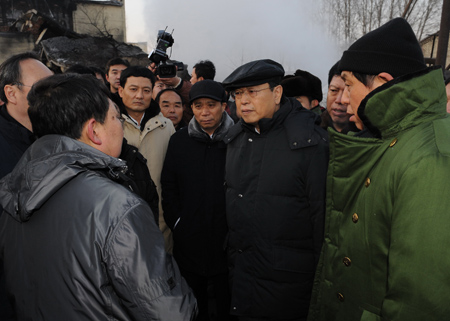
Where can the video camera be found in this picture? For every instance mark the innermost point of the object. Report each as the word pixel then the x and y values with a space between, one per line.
pixel 159 56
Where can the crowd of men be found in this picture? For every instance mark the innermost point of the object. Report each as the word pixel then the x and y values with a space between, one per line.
pixel 129 196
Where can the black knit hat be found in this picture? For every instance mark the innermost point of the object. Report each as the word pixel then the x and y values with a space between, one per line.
pixel 207 89
pixel 392 48
pixel 302 83
pixel 254 73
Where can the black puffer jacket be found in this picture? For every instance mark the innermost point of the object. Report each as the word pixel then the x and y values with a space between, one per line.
pixel 275 211
pixel 78 246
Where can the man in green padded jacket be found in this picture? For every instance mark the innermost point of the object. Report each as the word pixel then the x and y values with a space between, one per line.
pixel 385 254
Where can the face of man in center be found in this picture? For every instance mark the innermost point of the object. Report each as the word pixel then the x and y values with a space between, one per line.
pixel 208 113
pixel 136 95
pixel 257 102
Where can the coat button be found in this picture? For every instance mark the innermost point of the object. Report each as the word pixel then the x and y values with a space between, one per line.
pixel 394 141
pixel 250 140
pixel 355 218
pixel 294 143
pixel 367 182
pixel 347 261
pixel 240 195
pixel 340 297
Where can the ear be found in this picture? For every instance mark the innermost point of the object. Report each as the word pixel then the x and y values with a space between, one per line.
pixel 120 91
pixel 385 77
pixel 314 103
pixel 90 133
pixel 278 91
pixel 10 92
pixel 200 79
pixel 107 77
pixel 224 106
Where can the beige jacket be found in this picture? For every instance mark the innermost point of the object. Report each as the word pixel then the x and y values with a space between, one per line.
pixel 152 142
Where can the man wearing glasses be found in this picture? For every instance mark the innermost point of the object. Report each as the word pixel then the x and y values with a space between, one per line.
pixel 275 175
pixel 17 75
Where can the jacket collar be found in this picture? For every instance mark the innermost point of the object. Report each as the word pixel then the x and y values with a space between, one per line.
pixel 50 163
pixel 299 135
pixel 195 131
pixel 404 102
pixel 152 111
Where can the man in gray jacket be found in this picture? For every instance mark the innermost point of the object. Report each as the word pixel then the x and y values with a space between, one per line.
pixel 76 245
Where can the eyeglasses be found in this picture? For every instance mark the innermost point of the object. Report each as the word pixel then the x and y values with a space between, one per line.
pixel 237 94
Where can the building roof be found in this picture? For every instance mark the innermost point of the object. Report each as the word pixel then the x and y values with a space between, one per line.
pixel 103 2
pixel 89 51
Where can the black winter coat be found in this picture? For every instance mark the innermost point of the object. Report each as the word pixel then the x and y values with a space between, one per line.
pixel 78 246
pixel 14 141
pixel 275 210
pixel 193 199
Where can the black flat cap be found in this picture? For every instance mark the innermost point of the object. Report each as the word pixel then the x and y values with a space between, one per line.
pixel 207 89
pixel 254 73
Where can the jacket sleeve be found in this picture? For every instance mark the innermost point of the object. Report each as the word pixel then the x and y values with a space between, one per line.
pixel 418 284
pixel 171 198
pixel 143 275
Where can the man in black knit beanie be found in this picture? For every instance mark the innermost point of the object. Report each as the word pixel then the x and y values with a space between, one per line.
pixel 384 255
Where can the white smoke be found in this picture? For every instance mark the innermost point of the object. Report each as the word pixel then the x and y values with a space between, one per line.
pixel 233 32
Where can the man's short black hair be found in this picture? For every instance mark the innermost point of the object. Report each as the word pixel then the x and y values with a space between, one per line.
pixel 205 69
pixel 157 98
pixel 116 61
pixel 10 73
pixel 136 71
pixel 365 79
pixel 61 104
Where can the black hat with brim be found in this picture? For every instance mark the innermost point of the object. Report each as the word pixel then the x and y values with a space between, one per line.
pixel 207 89
pixel 254 73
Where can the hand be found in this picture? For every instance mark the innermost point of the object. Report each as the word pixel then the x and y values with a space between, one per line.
pixel 171 82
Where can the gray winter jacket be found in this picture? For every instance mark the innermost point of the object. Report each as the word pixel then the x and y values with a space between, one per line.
pixel 78 246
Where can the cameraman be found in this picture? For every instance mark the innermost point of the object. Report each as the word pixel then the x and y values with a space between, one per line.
pixel 183 88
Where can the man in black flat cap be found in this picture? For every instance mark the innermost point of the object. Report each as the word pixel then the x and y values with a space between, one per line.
pixel 275 174
pixel 193 198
